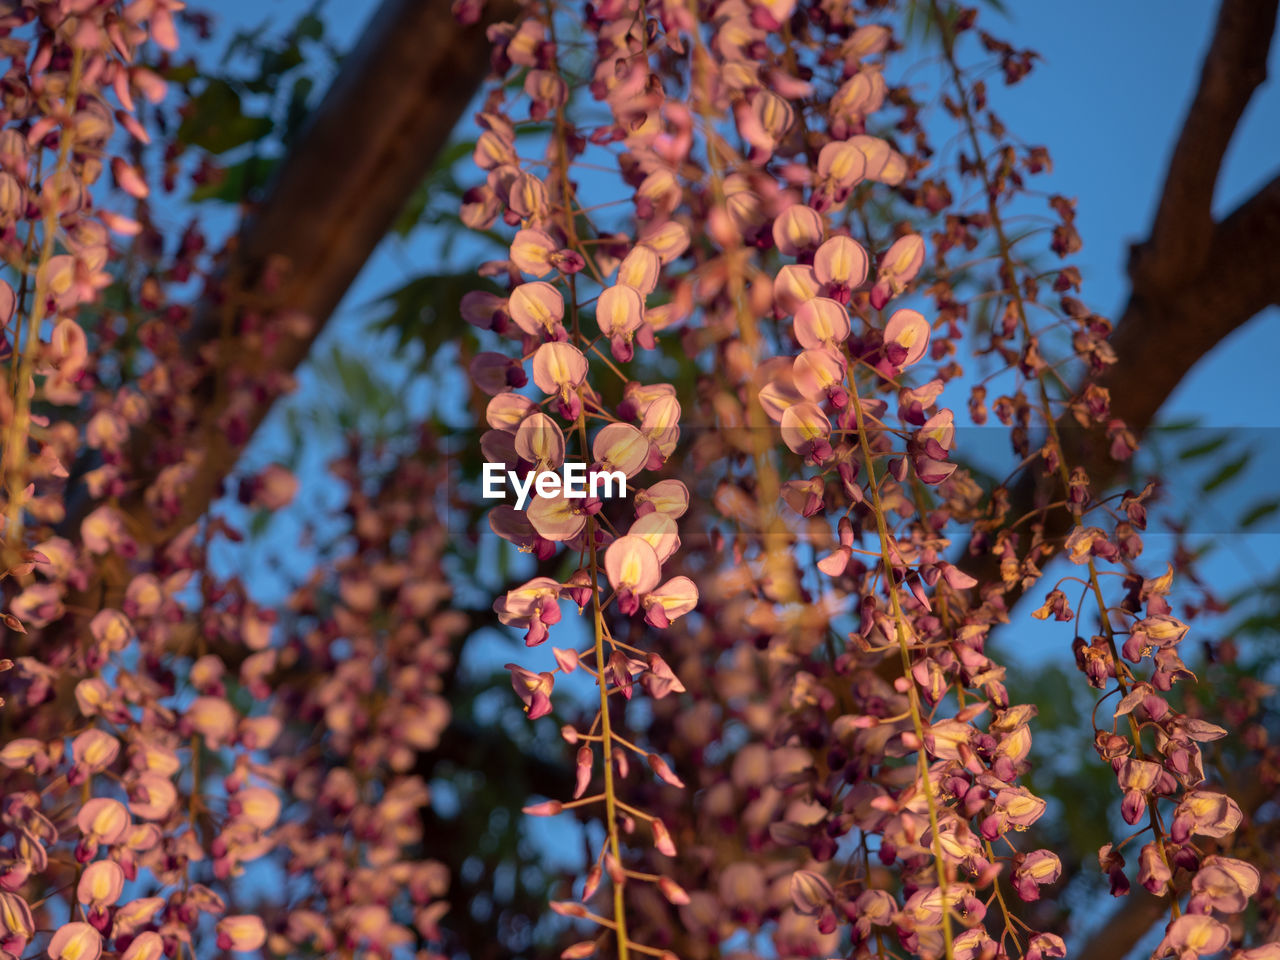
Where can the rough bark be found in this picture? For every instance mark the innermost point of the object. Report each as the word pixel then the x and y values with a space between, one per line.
pixel 1193 281
pixel 349 173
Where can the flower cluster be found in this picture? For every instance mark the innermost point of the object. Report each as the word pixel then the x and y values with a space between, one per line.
pixel 166 739
pixel 735 270
pixel 749 132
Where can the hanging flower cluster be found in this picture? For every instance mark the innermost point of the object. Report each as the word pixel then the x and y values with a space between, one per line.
pixel 163 740
pixel 738 275
pixel 620 549
pixel 880 789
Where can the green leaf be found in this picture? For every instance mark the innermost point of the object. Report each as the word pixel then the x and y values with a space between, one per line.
pixel 426 309
pixel 259 522
pixel 239 181
pixel 1203 449
pixel 414 207
pixel 1258 513
pixel 1226 473
pixel 217 123
pixel 299 106
pixel 182 72
pixel 438 179
pixel 309 27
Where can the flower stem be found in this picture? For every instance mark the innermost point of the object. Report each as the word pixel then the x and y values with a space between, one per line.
pixel 900 629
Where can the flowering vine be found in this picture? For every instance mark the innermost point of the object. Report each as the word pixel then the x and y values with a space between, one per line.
pixel 736 272
pixel 753 122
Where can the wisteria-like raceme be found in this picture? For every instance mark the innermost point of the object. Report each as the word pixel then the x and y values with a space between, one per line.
pixel 882 791
pixel 747 257
pixel 164 733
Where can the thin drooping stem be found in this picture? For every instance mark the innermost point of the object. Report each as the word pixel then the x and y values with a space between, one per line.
pixel 1004 249
pixel 778 566
pixel 901 632
pixel 606 729
pixel 15 460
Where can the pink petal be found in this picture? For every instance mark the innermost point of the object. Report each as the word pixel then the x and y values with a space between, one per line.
pixel 558 367
pixel 639 269
pixel 798 229
pixel 537 308
pixel 821 322
pixel 540 440
pixel 620 446
pixel 802 424
pixel 632 564
pixel 795 284
pixel 841 260
pixel 620 310
pixel 908 332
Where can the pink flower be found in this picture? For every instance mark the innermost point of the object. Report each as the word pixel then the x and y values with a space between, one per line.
pixel 16 923
pixel 841 167
pixel 841 266
pixel 633 568
pixel 538 309
pixel 906 336
pixel 619 313
pixel 1207 813
pixel 93 751
pixel 620 446
pixel 639 269
pixel 532 605
pixel 810 892
pixel 1045 946
pixel 805 430
pixel 103 821
pixel 241 933
pixel 1193 935
pixel 669 240
pixel 821 322
pixel 100 884
pixel 898 267
pixel 259 806
pixel 148 945
pixel 798 230
pixel 152 796
pixel 534 689
pixel 660 531
pixel 1153 873
pixel 1224 884
pixel 531 251
pixel 540 441
pixel 214 719
pixel 764 123
pixel 1037 869
pixel 557 518
pixel 75 941
pixel 819 376
pixel 795 284
pixel 666 496
pixel 883 163
pixel 558 370
pixel 664 604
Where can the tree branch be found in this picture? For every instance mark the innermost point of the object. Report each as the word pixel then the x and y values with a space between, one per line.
pixel 1193 282
pixel 370 143
pixel 1235 66
pixel 1160 337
